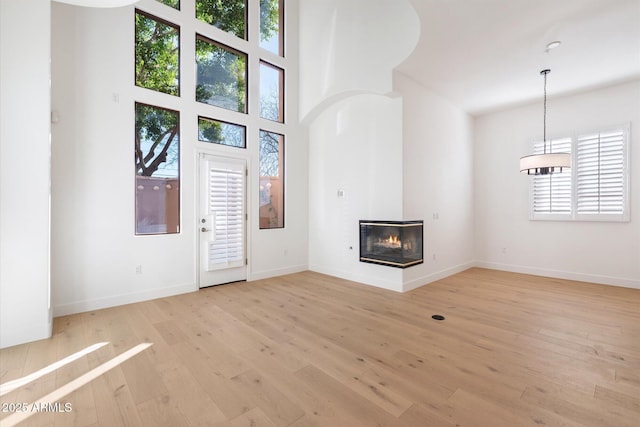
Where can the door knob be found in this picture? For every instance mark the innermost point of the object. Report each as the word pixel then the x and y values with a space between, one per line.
pixel 204 229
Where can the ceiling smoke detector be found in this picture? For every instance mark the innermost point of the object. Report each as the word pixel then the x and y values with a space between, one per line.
pixel 552 45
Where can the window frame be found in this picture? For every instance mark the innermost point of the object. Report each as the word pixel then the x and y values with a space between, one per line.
pixel 574 216
pixel 281 29
pixel 281 91
pixel 245 36
pixel 178 176
pixel 179 53
pixel 177 7
pixel 234 51
pixel 281 176
pixel 191 28
pixel 244 128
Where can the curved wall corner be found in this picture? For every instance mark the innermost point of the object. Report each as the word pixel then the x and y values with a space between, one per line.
pixel 351 47
pixel 355 172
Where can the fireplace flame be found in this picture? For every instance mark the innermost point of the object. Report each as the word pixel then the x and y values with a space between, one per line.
pixel 391 242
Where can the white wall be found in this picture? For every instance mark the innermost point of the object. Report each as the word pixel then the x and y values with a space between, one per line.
pixel 95 251
pixel 356 147
pixel 351 47
pixel 438 181
pixel 24 171
pixel 506 239
pixel 355 130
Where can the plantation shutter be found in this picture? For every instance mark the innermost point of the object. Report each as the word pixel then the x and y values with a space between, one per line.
pixel 601 173
pixel 551 194
pixel 226 209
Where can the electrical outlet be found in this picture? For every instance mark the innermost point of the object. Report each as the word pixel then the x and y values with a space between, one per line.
pixel 138 269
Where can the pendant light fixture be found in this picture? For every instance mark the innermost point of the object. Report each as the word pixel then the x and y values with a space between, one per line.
pixel 546 163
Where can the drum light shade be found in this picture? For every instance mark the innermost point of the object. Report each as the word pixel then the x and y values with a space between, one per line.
pixel 543 164
pixel 546 163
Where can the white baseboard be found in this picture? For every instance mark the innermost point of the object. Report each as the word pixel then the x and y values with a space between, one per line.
pixel 112 301
pixel 266 274
pixel 366 280
pixel 559 274
pixel 424 280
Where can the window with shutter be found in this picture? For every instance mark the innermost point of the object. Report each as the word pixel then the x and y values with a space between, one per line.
pixel 551 194
pixel 601 173
pixel 594 188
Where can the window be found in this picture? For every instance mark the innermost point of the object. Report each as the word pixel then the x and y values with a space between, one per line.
pixel 271 180
pixel 171 3
pixel 223 133
pixel 271 18
pixel 552 193
pixel 233 108
pixel 601 174
pixel 595 188
pixel 221 75
pixel 157 164
pixel 271 92
pixel 228 15
pixel 157 54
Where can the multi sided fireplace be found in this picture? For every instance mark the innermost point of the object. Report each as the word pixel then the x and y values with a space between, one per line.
pixel 392 243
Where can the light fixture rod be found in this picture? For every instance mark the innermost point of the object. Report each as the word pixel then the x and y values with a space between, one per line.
pixel 546 163
pixel 544 120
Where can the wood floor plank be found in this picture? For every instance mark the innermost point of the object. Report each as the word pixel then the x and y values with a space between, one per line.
pixel 349 408
pixel 253 418
pixel 628 401
pixel 307 349
pixel 371 386
pixel 262 394
pixel 191 399
pixel 470 409
pixel 577 406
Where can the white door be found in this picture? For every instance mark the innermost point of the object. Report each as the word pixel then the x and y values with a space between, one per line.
pixel 222 221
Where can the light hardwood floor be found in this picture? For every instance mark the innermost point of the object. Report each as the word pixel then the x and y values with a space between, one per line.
pixel 312 350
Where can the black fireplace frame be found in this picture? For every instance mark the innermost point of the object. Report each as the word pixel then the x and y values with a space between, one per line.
pixel 380 260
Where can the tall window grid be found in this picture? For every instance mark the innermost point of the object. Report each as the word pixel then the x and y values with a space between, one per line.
pixel 240 80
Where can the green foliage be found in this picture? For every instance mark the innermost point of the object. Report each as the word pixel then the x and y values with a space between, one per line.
pixel 269 18
pixel 157 140
pixel 172 3
pixel 221 133
pixel 228 15
pixel 221 76
pixel 210 131
pixel 157 51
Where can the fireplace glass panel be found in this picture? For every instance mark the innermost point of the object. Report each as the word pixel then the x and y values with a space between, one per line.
pixel 392 243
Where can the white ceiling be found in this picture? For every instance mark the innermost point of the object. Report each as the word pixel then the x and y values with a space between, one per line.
pixel 486 55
